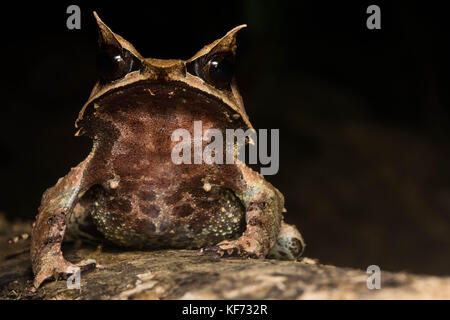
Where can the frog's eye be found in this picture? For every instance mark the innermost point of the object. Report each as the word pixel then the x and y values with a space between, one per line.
pixel 217 70
pixel 220 70
pixel 114 63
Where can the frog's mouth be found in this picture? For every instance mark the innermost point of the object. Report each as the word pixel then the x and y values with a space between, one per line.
pixel 145 90
pixel 156 98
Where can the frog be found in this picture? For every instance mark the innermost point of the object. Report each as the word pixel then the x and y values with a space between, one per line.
pixel 128 192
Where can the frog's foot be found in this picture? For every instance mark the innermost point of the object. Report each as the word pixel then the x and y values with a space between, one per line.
pixel 243 247
pixel 290 244
pixel 53 267
pixel 59 268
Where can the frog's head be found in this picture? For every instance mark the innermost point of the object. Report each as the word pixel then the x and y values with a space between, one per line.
pixel 126 77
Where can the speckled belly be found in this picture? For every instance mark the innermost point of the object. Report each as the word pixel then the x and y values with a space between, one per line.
pixel 168 216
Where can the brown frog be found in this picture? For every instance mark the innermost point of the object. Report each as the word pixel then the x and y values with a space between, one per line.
pixel 130 193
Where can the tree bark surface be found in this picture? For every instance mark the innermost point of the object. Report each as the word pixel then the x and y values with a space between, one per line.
pixel 183 274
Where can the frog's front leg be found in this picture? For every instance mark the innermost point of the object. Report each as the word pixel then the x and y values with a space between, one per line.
pixel 265 228
pixel 48 230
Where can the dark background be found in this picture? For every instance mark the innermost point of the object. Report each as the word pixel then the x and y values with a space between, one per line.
pixel 363 114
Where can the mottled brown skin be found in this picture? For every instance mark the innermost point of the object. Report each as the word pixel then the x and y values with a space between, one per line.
pixel 130 192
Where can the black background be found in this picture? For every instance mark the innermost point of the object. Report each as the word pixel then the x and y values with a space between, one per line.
pixel 363 114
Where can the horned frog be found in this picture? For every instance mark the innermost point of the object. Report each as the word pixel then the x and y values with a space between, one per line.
pixel 130 193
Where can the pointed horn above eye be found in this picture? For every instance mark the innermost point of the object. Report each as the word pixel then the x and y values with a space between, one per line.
pixel 226 43
pixel 108 37
pixel 105 34
pixel 229 40
pixel 232 32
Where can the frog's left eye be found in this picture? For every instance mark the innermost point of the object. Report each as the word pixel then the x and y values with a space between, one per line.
pixel 217 70
pixel 115 63
pixel 220 70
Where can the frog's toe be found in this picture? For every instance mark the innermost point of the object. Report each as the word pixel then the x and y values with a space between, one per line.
pixel 212 251
pixel 243 247
pixel 290 244
pixel 61 269
pixel 221 250
pixel 53 269
pixel 87 265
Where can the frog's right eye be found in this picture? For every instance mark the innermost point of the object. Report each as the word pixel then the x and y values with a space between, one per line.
pixel 115 63
pixel 217 70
